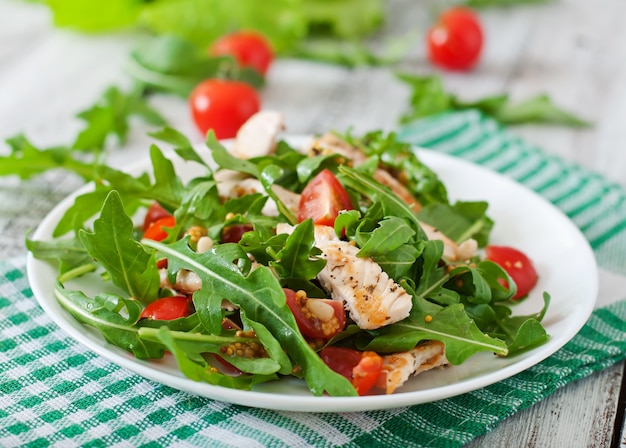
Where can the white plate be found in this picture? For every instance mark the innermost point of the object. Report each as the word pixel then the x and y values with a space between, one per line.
pixel 562 257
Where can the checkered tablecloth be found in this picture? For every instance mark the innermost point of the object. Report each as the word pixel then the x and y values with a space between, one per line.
pixel 55 392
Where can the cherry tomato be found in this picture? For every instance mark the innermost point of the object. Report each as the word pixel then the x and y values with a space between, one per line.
pixel 322 199
pixel 361 368
pixel 223 106
pixel 168 308
pixel 316 318
pixel 155 230
pixel 155 211
pixel 233 234
pixel 249 48
pixel 519 267
pixel 456 40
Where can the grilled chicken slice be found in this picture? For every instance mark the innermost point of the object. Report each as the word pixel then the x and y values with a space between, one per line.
pixel 257 136
pixel 398 367
pixel 372 299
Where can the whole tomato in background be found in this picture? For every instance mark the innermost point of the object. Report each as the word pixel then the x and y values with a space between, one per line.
pixel 223 106
pixel 249 48
pixel 455 41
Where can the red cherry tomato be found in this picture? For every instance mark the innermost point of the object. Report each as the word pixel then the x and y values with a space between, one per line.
pixel 361 368
pixel 322 199
pixel 223 106
pixel 316 318
pixel 155 211
pixel 456 40
pixel 519 267
pixel 249 48
pixel 168 308
pixel 155 230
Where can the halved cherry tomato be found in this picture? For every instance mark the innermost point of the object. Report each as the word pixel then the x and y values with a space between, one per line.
pixel 168 308
pixel 361 368
pixel 249 48
pixel 316 318
pixel 233 234
pixel 322 199
pixel 155 211
pixel 223 106
pixel 156 230
pixel 517 264
pixel 456 40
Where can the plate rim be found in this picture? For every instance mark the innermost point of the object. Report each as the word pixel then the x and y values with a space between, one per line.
pixel 303 403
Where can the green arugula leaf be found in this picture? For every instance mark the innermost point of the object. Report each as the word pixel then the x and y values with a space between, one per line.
pixel 429 97
pixel 69 252
pixel 182 145
pixel 26 160
pixel 460 221
pixel 105 313
pixel 87 17
pixel 391 233
pixel 188 349
pixel 299 258
pixel 172 64
pixel 261 298
pixel 112 245
pixel 449 324
pixel 110 116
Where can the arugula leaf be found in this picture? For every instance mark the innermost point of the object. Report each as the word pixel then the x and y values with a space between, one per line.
pixel 112 245
pixel 429 97
pixel 26 160
pixel 401 159
pixel 299 258
pixel 449 325
pixel 110 115
pixel 182 145
pixel 105 312
pixel 391 233
pixel 392 204
pixel 68 252
pixel 460 221
pixel 174 65
pixel 260 297
pixel 188 354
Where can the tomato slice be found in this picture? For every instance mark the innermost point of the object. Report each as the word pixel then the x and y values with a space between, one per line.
pixel 361 368
pixel 316 318
pixel 155 211
pixel 168 308
pixel 322 199
pixel 156 230
pixel 517 264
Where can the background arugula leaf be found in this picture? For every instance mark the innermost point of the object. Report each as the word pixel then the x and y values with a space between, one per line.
pixel 110 116
pixel 26 160
pixel 172 64
pixel 429 97
pixel 182 145
pixel 112 245
pixel 69 253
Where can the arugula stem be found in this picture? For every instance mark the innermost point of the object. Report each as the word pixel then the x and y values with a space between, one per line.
pixel 76 272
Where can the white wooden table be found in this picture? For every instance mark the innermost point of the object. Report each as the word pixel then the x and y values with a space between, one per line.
pixel 574 50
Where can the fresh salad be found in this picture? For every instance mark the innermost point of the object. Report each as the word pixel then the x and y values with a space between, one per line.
pixel 343 263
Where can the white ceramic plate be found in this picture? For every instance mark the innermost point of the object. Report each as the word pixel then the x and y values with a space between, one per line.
pixel 562 257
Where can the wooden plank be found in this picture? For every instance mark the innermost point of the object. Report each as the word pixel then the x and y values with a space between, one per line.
pixel 579 414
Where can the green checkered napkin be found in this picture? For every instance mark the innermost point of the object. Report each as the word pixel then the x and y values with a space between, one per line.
pixel 55 392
